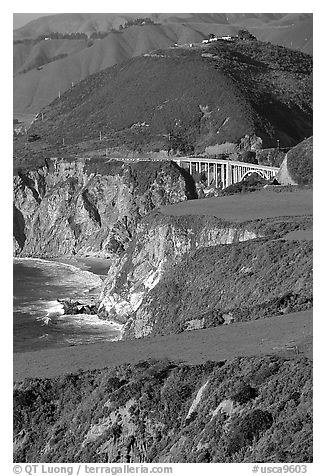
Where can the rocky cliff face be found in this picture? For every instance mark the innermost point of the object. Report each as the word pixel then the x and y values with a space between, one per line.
pixel 283 176
pixel 178 272
pixel 90 208
pixel 160 243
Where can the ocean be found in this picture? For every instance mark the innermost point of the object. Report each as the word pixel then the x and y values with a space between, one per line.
pixel 38 319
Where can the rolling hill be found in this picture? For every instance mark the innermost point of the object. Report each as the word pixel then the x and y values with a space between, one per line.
pixel 66 61
pixel 185 99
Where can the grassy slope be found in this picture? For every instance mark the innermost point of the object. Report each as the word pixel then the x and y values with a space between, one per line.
pixel 291 31
pixel 250 206
pixel 29 56
pixel 259 87
pixel 269 336
pixel 248 280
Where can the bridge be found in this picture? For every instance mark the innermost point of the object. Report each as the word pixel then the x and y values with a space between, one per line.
pixel 221 172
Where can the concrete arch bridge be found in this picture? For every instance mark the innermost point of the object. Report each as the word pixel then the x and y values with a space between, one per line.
pixel 223 173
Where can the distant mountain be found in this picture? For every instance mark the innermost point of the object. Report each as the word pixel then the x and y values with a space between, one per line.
pixel 186 99
pixel 43 68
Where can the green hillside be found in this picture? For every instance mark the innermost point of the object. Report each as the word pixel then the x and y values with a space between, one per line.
pixel 193 96
pixel 243 282
pixel 245 410
pixel 33 90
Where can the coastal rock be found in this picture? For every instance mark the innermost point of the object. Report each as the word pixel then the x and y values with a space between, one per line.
pixel 75 307
pixel 90 208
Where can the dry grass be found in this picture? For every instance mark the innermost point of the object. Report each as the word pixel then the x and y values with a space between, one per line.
pixel 289 333
pixel 251 206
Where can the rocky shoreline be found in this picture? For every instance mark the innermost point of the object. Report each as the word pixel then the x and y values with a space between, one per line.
pixel 71 307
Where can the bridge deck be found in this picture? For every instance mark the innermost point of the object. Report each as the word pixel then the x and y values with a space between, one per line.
pixel 207 160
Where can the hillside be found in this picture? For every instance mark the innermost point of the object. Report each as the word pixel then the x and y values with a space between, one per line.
pixel 227 283
pixel 247 409
pixel 187 270
pixel 220 22
pixel 34 89
pixel 300 162
pixel 249 87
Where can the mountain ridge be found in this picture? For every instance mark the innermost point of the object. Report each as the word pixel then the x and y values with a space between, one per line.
pixel 34 89
pixel 197 96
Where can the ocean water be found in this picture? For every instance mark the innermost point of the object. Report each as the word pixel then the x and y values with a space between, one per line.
pixel 38 320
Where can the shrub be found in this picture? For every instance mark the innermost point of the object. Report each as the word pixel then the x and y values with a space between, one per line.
pixel 246 35
pixel 249 156
pixel 251 426
pixel 244 394
pixel 250 183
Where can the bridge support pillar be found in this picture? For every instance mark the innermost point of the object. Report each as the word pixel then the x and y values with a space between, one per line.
pixel 228 180
pixel 223 175
pixel 236 174
pixel 226 172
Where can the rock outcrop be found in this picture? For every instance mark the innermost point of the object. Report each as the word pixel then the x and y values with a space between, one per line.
pixel 283 176
pixel 297 166
pixel 90 208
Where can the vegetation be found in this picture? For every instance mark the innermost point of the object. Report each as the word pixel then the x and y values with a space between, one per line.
pixel 300 162
pixel 53 35
pixel 246 35
pixel 249 156
pixel 137 22
pixel 251 183
pixel 272 157
pixel 244 281
pixel 138 413
pixel 141 175
pixel 250 87
pixel 44 62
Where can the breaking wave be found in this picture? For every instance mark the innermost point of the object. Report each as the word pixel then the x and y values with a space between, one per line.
pixel 39 319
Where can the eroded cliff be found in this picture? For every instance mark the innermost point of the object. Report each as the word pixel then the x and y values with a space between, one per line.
pixel 90 208
pixel 177 273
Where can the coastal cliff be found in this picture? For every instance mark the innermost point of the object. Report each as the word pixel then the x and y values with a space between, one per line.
pixel 176 273
pixel 160 242
pixel 90 208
